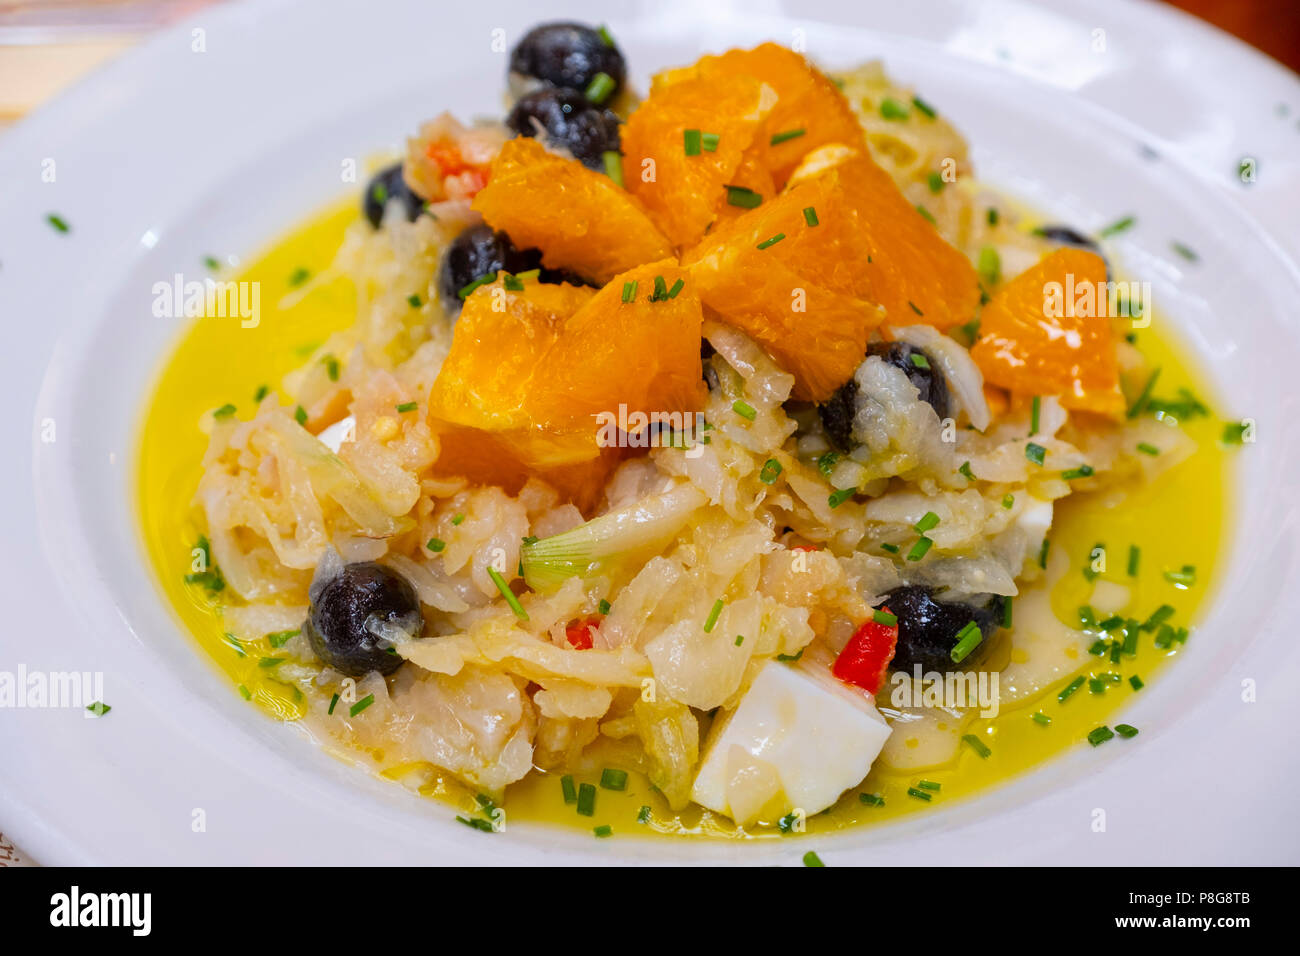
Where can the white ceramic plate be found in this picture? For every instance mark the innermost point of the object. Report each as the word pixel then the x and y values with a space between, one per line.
pixel 171 152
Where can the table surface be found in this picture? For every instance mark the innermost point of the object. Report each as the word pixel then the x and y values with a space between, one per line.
pixel 47 46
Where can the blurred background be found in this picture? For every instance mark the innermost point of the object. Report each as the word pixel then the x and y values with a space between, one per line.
pixel 47 44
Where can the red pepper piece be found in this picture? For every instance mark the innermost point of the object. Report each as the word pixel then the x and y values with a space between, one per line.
pixel 866 656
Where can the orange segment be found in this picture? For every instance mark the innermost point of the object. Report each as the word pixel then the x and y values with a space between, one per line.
pixel 683 193
pixel 530 372
pixel 1040 334
pixel 806 100
pixel 813 297
pixel 580 219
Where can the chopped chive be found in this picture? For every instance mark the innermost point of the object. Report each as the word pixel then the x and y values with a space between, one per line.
pixel 709 141
pixel 261 393
pixel 281 638
pixel 1096 685
pixel 1120 225
pixel 1158 617
pixel 331 367
pixel 1140 404
pixel 408 407
pixel 919 794
pixel 361 705
pixel 770 472
pixel 810 216
pixel 1148 449
pixel 935 182
pixel 913 306
pixel 977 745
pixel 989 265
pixel 1234 433
pixel 1083 471
pixel 812 859
pixel 661 290
pixel 508 594
pixel 477 823
pixel 629 291
pixel 1134 559
pixel 456 519
pixel 837 498
pixel 928 521
pixel 676 288
pixel 742 197
pixel 740 639
pixel 266 663
pixel 612 779
pixel 891 109
pixel 568 789
pixel 1006 611
pixel 300 415
pixel 929 785
pixel 1008 500
pixel 225 411
pixel 212 263
pixel 919 360
pixel 613 163
pixel 712 619
pixel 415 302
pixel 884 617
pixel 992 216
pixel 1042 554
pixel 598 90
pixel 236 643
pixel 1186 252
pixel 744 409
pixel 891 548
pixel 1070 688
pixel 779 138
pixel 1035 412
pixel 789 658
pixel 436 545
pixel 247 694
pixel 1097 648
pixel 1041 718
pixel 919 549
pixel 1136 682
pixel 968 638
pixel 827 462
pixel 605 38
pixel 299 276
pixel 1184 578
pixel 603 831
pixel 58 222
pixel 766 243
pixel 643 815
pixel 99 708
pixel 469 287
pixel 1100 735
pixel 966 472
pixel 1126 730
pixel 334 702
pixel 1035 452
pixel 924 107
pixel 587 800
pixel 691 142
pixel 509 282
pixel 604 606
pixel 871 799
pixel 928 215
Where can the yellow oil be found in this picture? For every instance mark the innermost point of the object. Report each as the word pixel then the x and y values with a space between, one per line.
pixel 217 361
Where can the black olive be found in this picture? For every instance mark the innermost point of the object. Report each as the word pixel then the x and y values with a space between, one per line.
pixel 837 414
pixel 348 613
pixel 838 411
pixel 473 254
pixel 388 184
pixel 928 629
pixel 1068 236
pixel 570 121
pixel 568 55
pixel 707 351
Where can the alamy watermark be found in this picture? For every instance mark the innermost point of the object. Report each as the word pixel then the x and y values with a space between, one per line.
pixel 638 429
pixel 208 298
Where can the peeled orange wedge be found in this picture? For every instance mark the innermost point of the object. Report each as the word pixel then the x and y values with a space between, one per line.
pixel 1038 339
pixel 581 220
pixel 531 371
pixel 686 143
pixel 840 252
pixel 810 111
